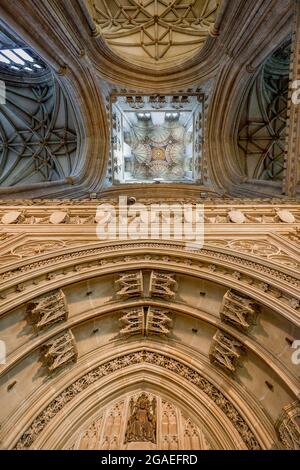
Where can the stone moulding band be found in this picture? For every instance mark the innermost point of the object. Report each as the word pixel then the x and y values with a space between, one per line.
pixel 275 273
pixel 139 357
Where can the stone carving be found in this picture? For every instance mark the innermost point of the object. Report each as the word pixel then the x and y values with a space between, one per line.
pixel 90 438
pixel 47 310
pixel 130 285
pixel 133 322
pixel 12 217
pixel 238 310
pixel 162 285
pixel 141 425
pixel 259 248
pixel 58 217
pixel 284 298
pixel 158 322
pixel 193 437
pixel 174 430
pixel 255 214
pixel 59 352
pixel 138 284
pixel 121 362
pixel 288 426
pixel 286 216
pixel 237 217
pixel 293 236
pixel 112 427
pixel 146 321
pixel 225 351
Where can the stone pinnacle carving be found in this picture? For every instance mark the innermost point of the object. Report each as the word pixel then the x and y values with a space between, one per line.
pixel 59 352
pixel 239 311
pixel 47 310
pixel 146 321
pixel 138 284
pixel 162 285
pixel 130 285
pixel 225 351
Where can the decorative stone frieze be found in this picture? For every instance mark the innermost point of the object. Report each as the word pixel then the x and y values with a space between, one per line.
pixel 217 211
pixel 46 310
pixel 225 351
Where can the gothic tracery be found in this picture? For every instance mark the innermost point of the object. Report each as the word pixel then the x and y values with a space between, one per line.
pixel 155 120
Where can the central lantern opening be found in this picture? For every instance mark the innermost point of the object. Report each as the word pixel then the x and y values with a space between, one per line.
pixel 156 138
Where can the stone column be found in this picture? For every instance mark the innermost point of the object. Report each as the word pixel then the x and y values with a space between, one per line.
pixel 292 163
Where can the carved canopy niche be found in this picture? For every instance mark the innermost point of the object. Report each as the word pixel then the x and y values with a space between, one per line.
pixel 154 32
pixel 151 423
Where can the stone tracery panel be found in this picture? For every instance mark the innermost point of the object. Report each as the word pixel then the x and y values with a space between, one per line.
pixel 150 422
pixel 59 351
pixel 140 357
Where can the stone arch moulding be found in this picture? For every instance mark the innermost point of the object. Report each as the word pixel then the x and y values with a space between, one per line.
pixel 263 354
pixel 262 280
pixel 107 378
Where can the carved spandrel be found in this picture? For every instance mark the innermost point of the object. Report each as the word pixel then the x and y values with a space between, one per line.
pixel 59 352
pixel 130 285
pixel 47 310
pixel 141 424
pixel 225 351
pixel 162 285
pixel 288 426
pixel 239 311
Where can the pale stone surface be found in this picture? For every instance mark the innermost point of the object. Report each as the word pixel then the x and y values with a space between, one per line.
pixel 83 398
